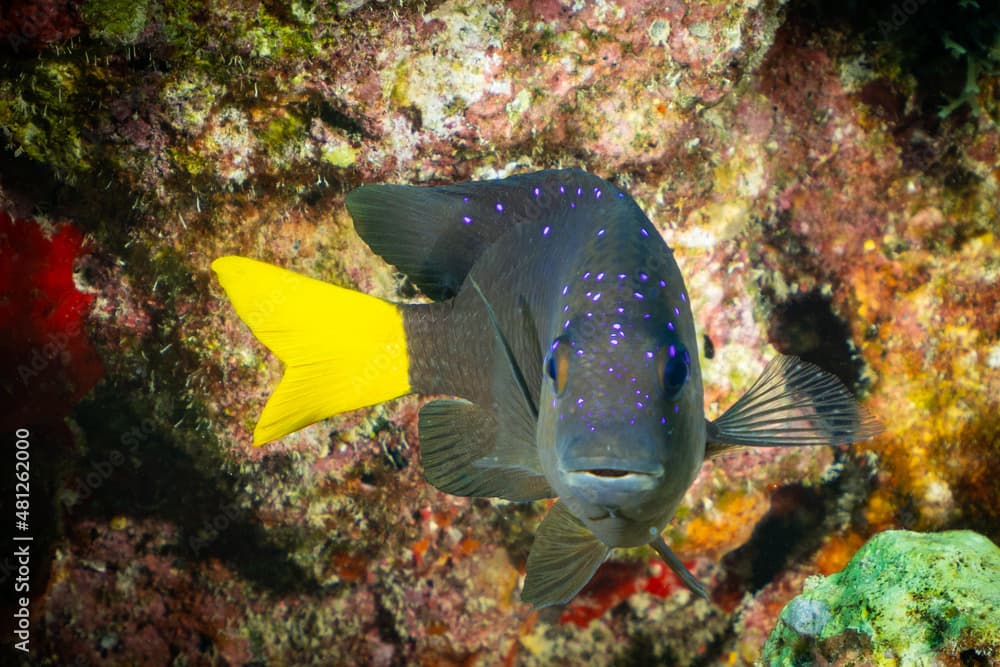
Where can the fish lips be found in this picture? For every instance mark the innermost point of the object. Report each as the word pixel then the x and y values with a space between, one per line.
pixel 611 482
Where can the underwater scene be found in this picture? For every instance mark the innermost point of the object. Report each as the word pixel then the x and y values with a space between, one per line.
pixel 570 332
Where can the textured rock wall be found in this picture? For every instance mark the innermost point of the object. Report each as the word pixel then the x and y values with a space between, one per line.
pixel 827 174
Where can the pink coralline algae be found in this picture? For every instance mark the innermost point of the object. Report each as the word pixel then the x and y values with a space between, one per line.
pixel 829 190
pixel 36 23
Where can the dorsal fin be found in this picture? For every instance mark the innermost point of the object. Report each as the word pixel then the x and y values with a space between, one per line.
pixel 435 234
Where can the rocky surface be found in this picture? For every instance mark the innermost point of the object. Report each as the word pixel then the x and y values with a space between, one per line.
pixel 828 177
pixel 905 598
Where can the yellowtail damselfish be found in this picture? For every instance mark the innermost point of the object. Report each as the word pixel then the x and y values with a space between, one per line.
pixel 563 330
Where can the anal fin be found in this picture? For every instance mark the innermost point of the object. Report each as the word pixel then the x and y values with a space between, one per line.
pixel 563 558
pixel 463 455
pixel 675 564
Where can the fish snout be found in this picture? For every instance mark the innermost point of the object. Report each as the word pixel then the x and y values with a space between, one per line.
pixel 611 482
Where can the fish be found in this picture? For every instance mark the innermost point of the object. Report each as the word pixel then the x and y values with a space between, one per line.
pixel 558 342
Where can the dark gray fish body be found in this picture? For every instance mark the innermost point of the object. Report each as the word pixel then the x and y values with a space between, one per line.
pixel 563 330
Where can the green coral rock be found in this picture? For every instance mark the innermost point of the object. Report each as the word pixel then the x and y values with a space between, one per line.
pixel 904 599
pixel 115 21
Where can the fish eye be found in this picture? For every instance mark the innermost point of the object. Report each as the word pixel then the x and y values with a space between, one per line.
pixel 557 363
pixel 674 365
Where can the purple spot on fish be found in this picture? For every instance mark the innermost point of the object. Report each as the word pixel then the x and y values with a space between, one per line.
pixel 600 232
pixel 579 353
pixel 545 230
pixel 537 192
pixel 566 308
pixel 613 341
pixel 562 190
pixel 590 314
pixel 572 204
pixel 553 402
pixel 597 297
pixel 639 295
pixel 579 402
pixel 586 275
pixel 684 297
pixel 499 207
pixel 643 276
pixel 616 326
pixel 670 325
pixel 646 316
pixel 642 230
pixel 639 404
pixel 622 276
pixel 663 283
pixel 597 193
pixel 677 311
pixel 599 276
pixel 566 324
pixel 466 219
pixel 649 355
pixel 677 408
pixel 673 351
pixel 465 199
pixel 565 289
pixel 631 422
pixel 663 420
pixel 620 310
pixel 579 191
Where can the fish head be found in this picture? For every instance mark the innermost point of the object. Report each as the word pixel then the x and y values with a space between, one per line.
pixel 621 426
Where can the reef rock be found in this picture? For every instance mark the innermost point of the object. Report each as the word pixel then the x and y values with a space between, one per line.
pixel 905 598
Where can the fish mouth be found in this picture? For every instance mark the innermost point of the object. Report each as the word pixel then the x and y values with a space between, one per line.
pixel 611 469
pixel 606 472
pixel 611 483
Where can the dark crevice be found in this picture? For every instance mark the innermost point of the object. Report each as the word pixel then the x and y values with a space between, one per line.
pixel 795 526
pixel 805 326
pixel 133 466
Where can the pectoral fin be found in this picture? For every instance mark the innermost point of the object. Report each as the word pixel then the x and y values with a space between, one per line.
pixel 462 454
pixel 793 402
pixel 563 558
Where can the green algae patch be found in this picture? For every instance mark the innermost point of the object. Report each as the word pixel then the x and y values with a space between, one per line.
pixel 905 598
pixel 38 113
pixel 115 21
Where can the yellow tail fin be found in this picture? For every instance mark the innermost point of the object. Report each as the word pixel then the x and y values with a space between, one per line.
pixel 342 349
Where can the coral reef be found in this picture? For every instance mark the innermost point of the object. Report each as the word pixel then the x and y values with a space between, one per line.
pixel 904 598
pixel 827 174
